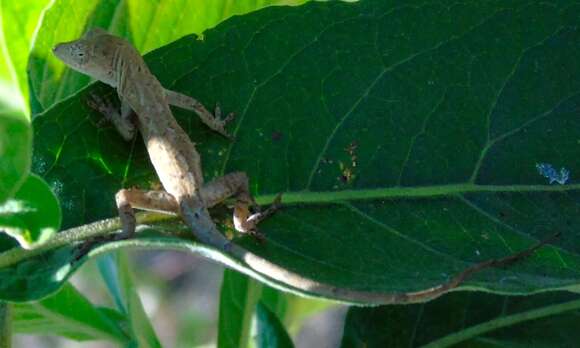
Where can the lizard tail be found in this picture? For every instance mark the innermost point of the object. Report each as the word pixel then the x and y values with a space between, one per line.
pixel 206 232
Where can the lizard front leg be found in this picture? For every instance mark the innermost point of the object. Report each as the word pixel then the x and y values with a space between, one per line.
pixel 213 121
pixel 236 185
pixel 122 119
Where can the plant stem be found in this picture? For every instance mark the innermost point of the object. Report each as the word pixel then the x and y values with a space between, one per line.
pixel 76 234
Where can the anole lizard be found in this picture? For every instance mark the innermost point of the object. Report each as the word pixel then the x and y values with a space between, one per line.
pixel 115 62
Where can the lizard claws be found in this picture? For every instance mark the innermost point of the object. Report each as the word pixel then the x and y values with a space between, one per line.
pixel 249 224
pixel 277 202
pixel 229 118
pixel 100 104
pixel 257 235
pixel 218 114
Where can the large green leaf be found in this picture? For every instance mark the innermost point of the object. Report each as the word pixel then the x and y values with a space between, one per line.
pixel 33 215
pixel 404 138
pixel 148 24
pixel 468 320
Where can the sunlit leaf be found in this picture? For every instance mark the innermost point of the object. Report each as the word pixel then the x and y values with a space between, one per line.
pixel 33 215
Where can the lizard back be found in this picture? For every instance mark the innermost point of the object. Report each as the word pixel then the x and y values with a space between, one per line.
pixel 171 151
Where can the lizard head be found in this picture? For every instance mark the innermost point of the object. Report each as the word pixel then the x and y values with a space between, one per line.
pixel 92 55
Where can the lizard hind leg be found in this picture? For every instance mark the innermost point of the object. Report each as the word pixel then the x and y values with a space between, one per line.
pixel 247 214
pixel 127 200
pixel 245 222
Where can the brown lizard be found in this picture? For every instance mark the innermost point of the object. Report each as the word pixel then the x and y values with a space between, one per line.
pixel 115 62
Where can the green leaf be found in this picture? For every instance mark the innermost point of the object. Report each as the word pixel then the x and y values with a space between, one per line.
pixel 406 146
pixel 18 20
pixel 201 15
pixel 238 297
pixel 148 25
pixel 276 301
pixel 110 273
pixel 15 151
pixel 69 314
pixel 142 331
pixel 5 325
pixel 15 132
pixel 271 332
pixel 33 215
pixel 469 320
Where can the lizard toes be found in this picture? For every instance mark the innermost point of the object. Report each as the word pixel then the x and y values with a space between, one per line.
pixel 229 117
pixel 100 104
pixel 277 202
pixel 217 111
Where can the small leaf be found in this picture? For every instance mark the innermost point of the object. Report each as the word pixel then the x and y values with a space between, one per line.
pixel 271 332
pixel 68 313
pixel 276 301
pixel 469 319
pixel 33 215
pixel 110 273
pixel 238 297
pixel 142 331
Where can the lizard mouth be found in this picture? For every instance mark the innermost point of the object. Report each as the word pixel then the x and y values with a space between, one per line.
pixel 73 54
pixel 58 50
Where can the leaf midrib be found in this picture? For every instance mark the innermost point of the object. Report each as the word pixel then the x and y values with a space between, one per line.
pixel 408 192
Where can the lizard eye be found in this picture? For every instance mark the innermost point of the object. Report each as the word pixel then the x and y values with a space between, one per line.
pixel 78 51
